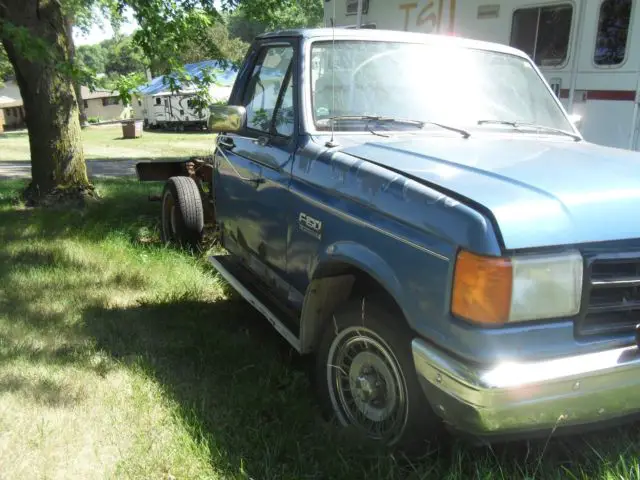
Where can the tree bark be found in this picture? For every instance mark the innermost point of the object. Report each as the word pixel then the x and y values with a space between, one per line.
pixel 52 116
pixel 76 83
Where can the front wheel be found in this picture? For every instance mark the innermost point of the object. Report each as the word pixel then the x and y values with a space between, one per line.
pixel 367 379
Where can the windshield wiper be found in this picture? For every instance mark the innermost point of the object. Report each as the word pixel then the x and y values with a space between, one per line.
pixel 418 123
pixel 516 124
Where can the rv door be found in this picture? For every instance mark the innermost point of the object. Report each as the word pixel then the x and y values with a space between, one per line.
pixel 167 108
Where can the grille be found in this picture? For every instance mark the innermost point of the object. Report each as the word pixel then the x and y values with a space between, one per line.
pixel 614 297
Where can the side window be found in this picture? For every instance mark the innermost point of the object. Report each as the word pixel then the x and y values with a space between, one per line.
pixel 543 33
pixel 265 83
pixel 613 31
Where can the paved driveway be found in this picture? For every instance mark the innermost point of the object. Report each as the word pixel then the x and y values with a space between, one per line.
pixel 95 168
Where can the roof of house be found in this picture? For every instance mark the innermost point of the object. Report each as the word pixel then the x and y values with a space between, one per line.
pixel 98 93
pixel 225 76
pixel 8 102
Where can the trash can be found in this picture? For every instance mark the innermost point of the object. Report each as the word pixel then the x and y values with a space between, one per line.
pixel 132 128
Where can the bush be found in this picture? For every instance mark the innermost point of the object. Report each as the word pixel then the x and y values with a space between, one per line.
pixel 93 119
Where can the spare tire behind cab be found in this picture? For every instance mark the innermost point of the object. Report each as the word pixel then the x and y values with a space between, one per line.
pixel 182 213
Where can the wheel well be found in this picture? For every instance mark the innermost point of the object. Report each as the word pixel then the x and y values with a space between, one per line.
pixel 333 285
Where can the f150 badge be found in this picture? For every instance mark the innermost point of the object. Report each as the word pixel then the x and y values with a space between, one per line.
pixel 310 225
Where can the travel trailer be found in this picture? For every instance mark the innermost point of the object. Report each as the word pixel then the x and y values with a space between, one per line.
pixel 588 50
pixel 159 107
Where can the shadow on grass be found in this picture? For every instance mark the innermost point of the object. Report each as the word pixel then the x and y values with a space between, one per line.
pixel 43 391
pixel 238 386
pixel 127 213
pixel 246 392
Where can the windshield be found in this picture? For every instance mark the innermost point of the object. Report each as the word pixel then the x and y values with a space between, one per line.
pixel 450 85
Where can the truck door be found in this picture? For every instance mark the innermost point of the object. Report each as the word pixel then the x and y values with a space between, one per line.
pixel 254 167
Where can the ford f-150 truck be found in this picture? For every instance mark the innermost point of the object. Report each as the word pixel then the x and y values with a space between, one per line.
pixel 421 214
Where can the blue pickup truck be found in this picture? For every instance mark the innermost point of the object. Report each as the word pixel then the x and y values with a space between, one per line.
pixel 420 213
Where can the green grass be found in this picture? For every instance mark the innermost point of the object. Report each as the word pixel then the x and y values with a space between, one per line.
pixel 120 358
pixel 106 142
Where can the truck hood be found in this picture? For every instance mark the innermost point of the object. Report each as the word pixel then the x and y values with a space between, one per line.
pixel 541 192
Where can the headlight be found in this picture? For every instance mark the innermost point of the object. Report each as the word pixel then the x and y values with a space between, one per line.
pixel 499 290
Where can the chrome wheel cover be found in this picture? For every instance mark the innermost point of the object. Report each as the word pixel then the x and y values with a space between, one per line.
pixel 366 385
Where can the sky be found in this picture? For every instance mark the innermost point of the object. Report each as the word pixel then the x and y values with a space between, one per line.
pixel 98 33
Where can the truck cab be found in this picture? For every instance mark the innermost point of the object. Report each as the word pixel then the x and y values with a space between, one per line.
pixel 419 213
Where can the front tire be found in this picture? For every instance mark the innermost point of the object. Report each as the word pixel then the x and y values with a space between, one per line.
pixel 367 380
pixel 182 213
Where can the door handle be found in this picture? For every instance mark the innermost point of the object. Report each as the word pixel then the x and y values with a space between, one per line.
pixel 262 141
pixel 227 142
pixel 256 181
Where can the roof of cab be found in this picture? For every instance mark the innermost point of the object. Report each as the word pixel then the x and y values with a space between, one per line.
pixel 391 36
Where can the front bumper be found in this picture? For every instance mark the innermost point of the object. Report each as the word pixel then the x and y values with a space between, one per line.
pixel 522 399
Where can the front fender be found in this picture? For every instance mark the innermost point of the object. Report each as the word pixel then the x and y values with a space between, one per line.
pixel 364 259
pixel 331 284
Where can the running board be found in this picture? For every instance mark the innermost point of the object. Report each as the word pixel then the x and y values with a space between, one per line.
pixel 217 262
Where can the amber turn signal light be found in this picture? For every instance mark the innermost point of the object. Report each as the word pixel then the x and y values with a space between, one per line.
pixel 482 288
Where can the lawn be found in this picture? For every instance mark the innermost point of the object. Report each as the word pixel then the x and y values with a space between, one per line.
pixel 120 358
pixel 106 142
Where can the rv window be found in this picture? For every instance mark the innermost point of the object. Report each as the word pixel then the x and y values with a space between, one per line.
pixel 158 101
pixel 352 7
pixel 543 33
pixel 613 30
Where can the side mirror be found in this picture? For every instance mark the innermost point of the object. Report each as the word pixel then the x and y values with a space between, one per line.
pixel 576 120
pixel 226 118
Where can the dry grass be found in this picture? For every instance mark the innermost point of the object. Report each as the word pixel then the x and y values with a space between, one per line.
pixel 120 358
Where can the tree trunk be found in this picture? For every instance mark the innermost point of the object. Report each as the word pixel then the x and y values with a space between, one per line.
pixel 76 83
pixel 57 159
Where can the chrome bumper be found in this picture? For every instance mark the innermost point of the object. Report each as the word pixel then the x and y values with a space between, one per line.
pixel 513 399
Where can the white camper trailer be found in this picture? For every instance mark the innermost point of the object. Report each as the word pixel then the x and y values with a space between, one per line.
pixel 588 50
pixel 159 107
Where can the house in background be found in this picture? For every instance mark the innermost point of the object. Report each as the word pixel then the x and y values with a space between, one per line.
pixel 12 112
pixel 101 104
pixel 11 105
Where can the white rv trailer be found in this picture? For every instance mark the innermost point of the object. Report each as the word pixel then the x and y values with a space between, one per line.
pixel 159 107
pixel 166 109
pixel 588 50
